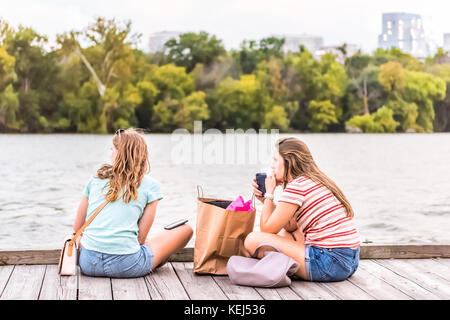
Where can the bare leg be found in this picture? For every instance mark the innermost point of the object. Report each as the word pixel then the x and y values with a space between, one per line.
pixel 167 242
pixel 285 242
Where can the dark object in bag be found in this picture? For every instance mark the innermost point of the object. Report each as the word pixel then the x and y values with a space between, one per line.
pixel 219 203
pixel 261 181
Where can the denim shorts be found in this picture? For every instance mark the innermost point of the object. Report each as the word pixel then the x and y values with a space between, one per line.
pixel 98 264
pixel 334 264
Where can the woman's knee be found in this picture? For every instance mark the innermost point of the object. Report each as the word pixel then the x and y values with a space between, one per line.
pixel 252 241
pixel 188 232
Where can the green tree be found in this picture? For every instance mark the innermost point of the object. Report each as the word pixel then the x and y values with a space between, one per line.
pixel 172 81
pixel 171 114
pixel 363 82
pixel 442 107
pixel 276 118
pixel 392 76
pixel 108 59
pixel 193 108
pixel 242 103
pixel 9 102
pixel 381 121
pixel 37 82
pixel 176 99
pixel 252 52
pixel 424 90
pixel 322 113
pixel 309 79
pixel 382 56
pixel 192 48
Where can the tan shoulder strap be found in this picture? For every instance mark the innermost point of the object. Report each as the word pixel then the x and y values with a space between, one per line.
pixel 80 231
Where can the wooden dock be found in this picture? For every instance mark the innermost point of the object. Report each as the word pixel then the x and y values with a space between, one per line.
pixel 396 272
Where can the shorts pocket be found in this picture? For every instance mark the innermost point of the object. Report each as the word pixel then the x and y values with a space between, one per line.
pixel 339 270
pixel 90 263
pixel 334 267
pixel 128 265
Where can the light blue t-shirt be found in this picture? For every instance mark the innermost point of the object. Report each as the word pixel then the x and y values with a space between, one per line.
pixel 115 229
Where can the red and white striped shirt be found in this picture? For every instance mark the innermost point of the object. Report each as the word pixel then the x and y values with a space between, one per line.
pixel 321 216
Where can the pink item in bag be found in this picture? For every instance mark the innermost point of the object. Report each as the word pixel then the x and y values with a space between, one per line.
pixel 240 205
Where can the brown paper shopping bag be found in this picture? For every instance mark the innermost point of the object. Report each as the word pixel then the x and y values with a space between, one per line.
pixel 220 234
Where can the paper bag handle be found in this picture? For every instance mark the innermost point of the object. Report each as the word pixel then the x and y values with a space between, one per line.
pixel 253 201
pixel 199 189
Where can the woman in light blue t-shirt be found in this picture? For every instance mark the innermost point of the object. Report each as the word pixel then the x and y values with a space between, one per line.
pixel 115 243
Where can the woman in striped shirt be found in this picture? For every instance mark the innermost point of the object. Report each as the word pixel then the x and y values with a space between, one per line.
pixel 313 220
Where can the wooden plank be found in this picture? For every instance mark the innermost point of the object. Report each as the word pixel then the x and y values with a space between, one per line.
pixel 346 290
pixel 130 289
pixel 312 291
pixel 164 284
pixel 29 257
pixel 5 273
pixel 407 251
pixel 153 288
pixel 433 266
pixel 426 280
pixel 25 283
pixel 94 288
pixel 376 287
pixel 368 251
pixel 235 292
pixel 198 287
pixel 56 287
pixel 403 284
pixel 184 255
pixel 445 262
pixel 285 293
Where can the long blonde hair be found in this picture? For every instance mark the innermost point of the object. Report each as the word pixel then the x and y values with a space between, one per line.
pixel 129 167
pixel 298 161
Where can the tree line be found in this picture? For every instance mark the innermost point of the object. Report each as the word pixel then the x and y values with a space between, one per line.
pixel 96 80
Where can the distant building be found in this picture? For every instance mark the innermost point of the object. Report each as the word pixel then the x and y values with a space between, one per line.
pixel 157 40
pixel 446 45
pixel 404 31
pixel 293 42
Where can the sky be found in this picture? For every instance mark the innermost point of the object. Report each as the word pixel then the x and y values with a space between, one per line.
pixel 336 21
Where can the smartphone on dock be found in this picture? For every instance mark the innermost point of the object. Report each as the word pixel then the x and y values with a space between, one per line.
pixel 176 224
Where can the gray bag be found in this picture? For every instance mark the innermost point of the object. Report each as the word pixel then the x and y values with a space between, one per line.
pixel 273 270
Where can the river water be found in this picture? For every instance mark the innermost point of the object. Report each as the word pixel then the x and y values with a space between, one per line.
pixel 398 184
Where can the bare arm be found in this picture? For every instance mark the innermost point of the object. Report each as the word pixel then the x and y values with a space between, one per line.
pixel 146 221
pixel 81 214
pixel 274 218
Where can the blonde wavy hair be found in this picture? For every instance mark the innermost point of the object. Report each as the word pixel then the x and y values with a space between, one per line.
pixel 298 161
pixel 130 165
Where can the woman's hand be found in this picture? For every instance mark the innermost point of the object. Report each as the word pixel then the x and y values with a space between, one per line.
pixel 258 194
pixel 271 183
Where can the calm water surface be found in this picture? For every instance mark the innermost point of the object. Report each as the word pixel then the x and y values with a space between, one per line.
pixel 399 185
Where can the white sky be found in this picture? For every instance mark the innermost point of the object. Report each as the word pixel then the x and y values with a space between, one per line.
pixel 337 21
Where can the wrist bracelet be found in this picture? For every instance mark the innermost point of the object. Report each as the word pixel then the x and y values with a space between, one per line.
pixel 268 195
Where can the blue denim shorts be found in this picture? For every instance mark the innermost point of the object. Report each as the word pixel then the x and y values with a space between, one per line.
pixel 98 264
pixel 334 264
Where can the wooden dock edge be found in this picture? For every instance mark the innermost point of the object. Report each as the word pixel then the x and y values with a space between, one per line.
pixel 368 251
